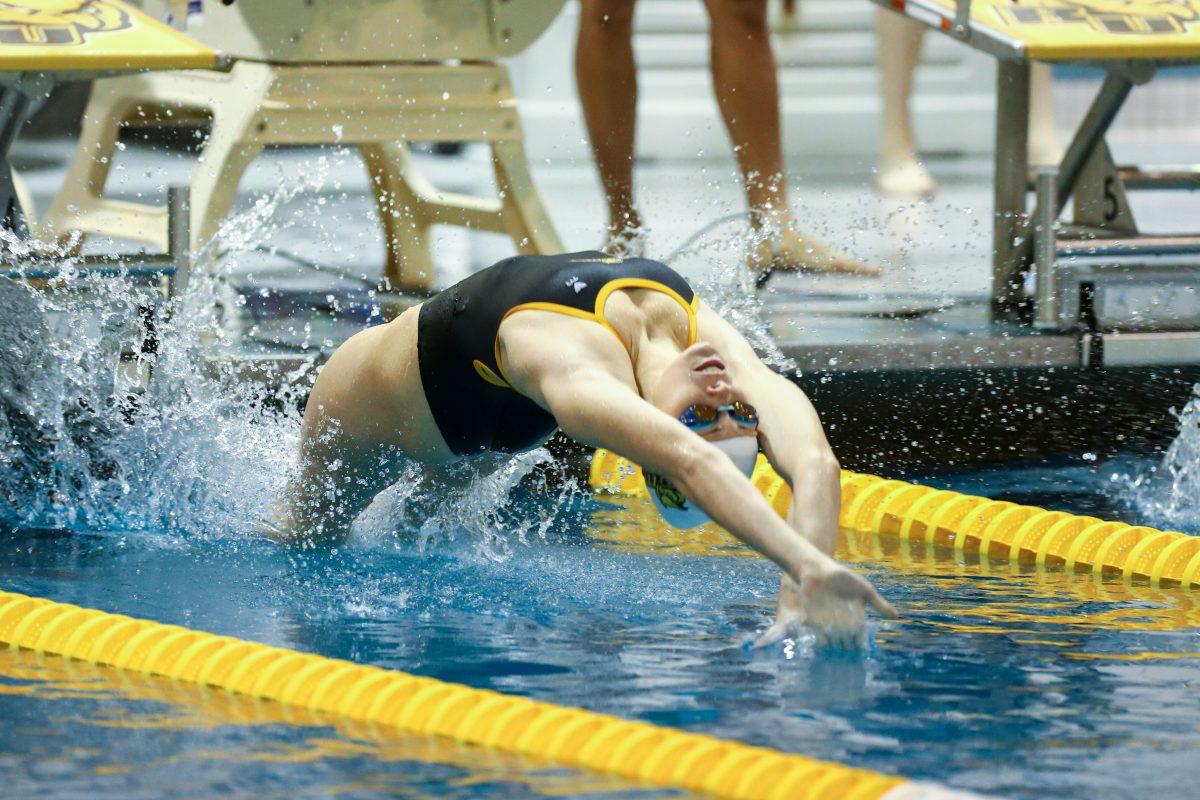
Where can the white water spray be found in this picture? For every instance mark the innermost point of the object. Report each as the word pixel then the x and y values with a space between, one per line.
pixel 1170 492
pixel 201 452
pixel 729 288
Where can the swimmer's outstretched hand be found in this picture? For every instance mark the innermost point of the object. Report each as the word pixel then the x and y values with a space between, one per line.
pixel 789 614
pixel 831 600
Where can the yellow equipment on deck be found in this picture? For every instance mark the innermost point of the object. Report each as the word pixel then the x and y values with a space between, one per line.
pixel 1096 273
pixel 55 36
pixel 52 41
pixel 1068 30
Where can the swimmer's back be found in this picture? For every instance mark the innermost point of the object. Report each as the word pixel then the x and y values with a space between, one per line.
pixel 463 379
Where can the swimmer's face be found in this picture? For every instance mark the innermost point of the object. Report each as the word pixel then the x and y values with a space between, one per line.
pixel 698 376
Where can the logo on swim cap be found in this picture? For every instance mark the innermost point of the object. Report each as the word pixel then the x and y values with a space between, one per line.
pixel 673 505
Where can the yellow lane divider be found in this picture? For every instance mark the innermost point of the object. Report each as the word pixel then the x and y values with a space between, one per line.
pixel 49 679
pixel 994 528
pixel 569 736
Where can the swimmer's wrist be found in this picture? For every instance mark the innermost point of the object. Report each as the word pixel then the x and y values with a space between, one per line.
pixel 813 557
pixel 807 560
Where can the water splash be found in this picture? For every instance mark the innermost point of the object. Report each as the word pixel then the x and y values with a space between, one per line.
pixel 718 274
pixel 197 450
pixel 1169 493
pixel 200 452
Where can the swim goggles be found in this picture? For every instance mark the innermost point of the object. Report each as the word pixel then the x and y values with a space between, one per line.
pixel 700 418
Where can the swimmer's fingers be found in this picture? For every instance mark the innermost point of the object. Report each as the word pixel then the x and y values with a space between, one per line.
pixel 840 638
pixel 882 607
pixel 870 596
pixel 774 634
pixel 845 583
pixel 788 623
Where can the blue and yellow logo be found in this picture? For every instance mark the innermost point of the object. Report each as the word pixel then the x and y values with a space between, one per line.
pixel 1107 16
pixel 58 22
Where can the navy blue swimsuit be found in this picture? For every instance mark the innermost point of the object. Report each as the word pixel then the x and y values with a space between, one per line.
pixel 457 339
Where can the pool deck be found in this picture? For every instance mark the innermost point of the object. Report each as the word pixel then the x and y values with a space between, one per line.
pixel 926 319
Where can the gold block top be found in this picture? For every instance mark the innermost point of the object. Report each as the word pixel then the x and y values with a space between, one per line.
pixel 85 35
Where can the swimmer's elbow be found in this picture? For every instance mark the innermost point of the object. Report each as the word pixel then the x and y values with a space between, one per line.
pixel 814 464
pixel 692 469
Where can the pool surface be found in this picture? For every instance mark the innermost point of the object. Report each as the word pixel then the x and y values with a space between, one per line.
pixel 1027 685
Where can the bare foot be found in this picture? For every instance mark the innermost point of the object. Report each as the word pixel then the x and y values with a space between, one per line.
pixel 787 250
pixel 905 178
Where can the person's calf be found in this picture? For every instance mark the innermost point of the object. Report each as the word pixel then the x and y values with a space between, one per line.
pixel 608 15
pixel 738 17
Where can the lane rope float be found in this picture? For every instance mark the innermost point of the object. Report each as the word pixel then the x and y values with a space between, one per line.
pixel 967 523
pixel 49 679
pixel 569 736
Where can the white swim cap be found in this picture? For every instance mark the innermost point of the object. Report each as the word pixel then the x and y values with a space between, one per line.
pixel 677 510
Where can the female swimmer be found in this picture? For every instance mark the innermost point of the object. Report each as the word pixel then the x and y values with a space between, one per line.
pixel 618 353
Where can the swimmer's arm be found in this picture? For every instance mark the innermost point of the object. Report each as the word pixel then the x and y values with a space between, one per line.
pixel 597 409
pixel 791 436
pixel 795 443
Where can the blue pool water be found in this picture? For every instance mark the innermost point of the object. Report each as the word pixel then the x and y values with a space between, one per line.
pixel 1023 685
pixel 1019 685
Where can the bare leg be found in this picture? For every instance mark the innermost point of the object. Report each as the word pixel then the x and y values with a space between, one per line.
pixel 901 174
pixel 1044 146
pixel 366 414
pixel 747 90
pixel 744 80
pixel 607 79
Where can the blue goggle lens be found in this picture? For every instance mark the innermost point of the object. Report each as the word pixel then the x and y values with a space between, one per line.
pixel 701 417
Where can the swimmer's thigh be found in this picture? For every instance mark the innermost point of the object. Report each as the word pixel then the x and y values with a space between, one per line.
pixel 370 395
pixel 366 417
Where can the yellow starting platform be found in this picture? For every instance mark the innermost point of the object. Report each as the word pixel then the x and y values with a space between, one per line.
pixel 90 36
pixel 1066 30
pixel 50 41
pixel 374 75
pixel 1088 272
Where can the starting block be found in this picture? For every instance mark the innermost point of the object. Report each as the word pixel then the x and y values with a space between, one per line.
pixel 52 41
pixel 1095 273
pixel 370 74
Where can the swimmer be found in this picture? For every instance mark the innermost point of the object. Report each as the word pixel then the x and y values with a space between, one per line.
pixel 618 353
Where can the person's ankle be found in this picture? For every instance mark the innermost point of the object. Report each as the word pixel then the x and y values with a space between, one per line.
pixel 768 220
pixel 896 155
pixel 624 222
